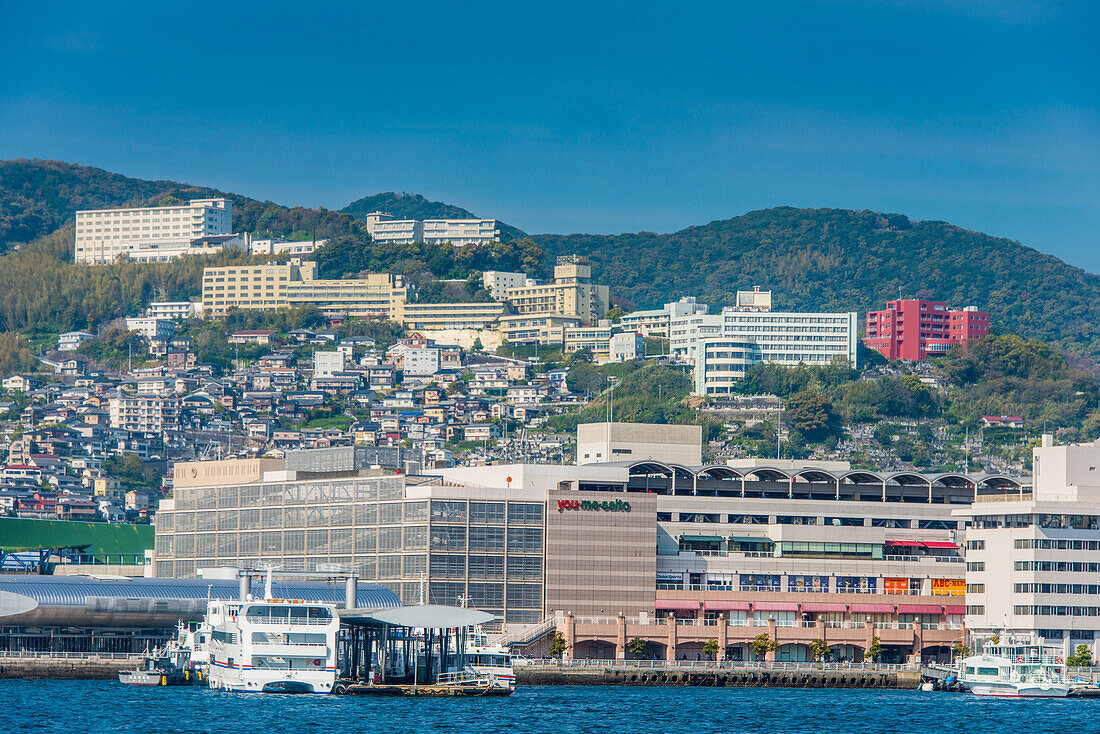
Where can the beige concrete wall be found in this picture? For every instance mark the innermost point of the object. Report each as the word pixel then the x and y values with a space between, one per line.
pixel 639 441
pixel 601 560
pixel 223 473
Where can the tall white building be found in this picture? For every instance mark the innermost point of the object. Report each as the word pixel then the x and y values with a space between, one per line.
pixel 1033 558
pixel 760 335
pixel 383 227
pixel 154 234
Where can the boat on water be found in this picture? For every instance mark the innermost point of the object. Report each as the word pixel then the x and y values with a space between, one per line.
pixel 1016 668
pixel 179 663
pixel 271 645
pixel 491 661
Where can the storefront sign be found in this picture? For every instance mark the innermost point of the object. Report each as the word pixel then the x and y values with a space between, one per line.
pixel 609 505
pixel 949 587
pixel 895 585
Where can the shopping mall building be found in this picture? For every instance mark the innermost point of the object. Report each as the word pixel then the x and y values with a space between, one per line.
pixel 655 545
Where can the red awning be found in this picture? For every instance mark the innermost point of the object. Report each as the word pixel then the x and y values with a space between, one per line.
pixel 677 604
pixel 873 608
pixel 940 544
pixel 919 609
pixel 904 544
pixel 955 609
pixel 775 606
pixel 725 606
pixel 818 606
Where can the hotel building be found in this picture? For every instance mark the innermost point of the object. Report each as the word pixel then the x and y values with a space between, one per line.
pixel 1033 554
pixel 914 329
pixel 654 545
pixel 572 293
pixel 154 234
pixel 383 227
pixel 294 283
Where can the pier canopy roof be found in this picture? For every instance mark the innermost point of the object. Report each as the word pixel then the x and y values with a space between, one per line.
pixel 421 616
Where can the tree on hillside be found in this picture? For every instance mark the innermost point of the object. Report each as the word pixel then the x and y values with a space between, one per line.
pixel 811 416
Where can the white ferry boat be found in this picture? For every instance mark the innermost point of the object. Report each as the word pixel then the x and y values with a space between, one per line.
pixel 494 661
pixel 1014 668
pixel 272 645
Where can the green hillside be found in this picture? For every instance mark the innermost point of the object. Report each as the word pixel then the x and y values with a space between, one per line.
pixel 38 197
pixel 415 206
pixel 835 259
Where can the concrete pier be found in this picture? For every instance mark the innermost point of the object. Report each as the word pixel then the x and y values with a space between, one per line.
pixel 703 675
pixel 66 668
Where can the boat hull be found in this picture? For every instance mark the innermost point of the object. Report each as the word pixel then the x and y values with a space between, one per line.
pixel 1023 690
pixel 140 678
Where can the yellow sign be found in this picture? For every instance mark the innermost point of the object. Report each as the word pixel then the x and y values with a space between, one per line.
pixel 949 587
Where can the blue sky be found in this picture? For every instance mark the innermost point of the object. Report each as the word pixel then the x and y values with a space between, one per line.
pixel 584 117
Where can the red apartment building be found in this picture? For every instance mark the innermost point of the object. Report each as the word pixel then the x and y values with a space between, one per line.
pixel 914 329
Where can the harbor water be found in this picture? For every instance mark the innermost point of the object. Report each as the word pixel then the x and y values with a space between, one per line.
pixel 104 706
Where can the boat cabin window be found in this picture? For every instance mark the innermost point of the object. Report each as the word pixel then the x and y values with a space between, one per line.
pixel 987 671
pixel 276 614
pixel 969 670
pixel 494 661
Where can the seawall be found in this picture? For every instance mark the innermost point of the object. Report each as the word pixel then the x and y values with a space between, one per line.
pixel 709 676
pixel 65 668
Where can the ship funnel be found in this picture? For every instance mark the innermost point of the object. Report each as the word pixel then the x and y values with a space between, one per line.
pixel 351 591
pixel 245 587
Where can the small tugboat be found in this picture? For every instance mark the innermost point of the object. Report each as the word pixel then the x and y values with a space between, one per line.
pixel 176 664
pixel 490 661
pixel 1013 668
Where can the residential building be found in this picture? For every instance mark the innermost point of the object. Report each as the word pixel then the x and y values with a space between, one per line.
pixel 328 364
pixel 146 412
pixel 272 286
pixel 383 227
pixel 721 363
pixel 530 329
pixel 914 329
pixel 70 341
pixel 252 336
pixel 449 316
pixel 497 282
pixel 1033 557
pixel 572 293
pixel 625 346
pixel 173 309
pixel 154 234
pixel 656 322
pixel 152 328
pixel 296 248
pixel 596 339
pixel 421 362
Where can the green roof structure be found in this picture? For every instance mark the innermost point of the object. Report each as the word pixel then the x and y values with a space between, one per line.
pixel 100 539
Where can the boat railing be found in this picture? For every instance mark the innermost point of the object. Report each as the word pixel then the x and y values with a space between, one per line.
pixel 47 655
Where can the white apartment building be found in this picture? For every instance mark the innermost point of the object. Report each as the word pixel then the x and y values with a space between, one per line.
pixel 422 361
pixel 327 364
pixel 655 322
pixel 152 328
pixel 383 227
pixel 498 281
pixel 296 248
pixel 1033 558
pixel 173 309
pixel 626 346
pixel 144 412
pixel 70 341
pixel 154 234
pixel 761 335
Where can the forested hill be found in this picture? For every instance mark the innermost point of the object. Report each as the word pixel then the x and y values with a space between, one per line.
pixel 38 197
pixel 836 259
pixel 415 206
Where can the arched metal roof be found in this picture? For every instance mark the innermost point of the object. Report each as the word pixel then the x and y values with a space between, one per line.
pixel 767 473
pixel 75 591
pixel 953 479
pixel 719 471
pixel 901 477
pixel 815 475
pixel 650 467
pixel 1000 481
pixel 855 475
